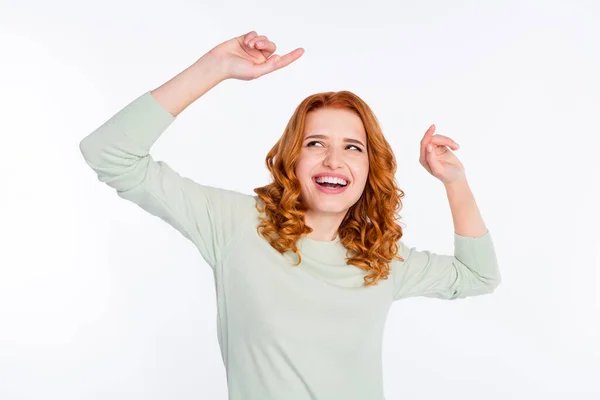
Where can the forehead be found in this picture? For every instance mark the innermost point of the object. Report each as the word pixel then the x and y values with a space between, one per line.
pixel 334 122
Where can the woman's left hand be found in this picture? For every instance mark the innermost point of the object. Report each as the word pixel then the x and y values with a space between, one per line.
pixel 440 161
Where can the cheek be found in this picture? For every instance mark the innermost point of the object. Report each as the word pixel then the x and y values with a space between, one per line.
pixel 361 172
pixel 305 165
pixel 303 168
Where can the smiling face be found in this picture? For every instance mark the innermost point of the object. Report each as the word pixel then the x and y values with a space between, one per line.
pixel 333 164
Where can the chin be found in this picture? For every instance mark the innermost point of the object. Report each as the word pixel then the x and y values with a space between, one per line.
pixel 331 207
pixel 330 210
pixel 322 203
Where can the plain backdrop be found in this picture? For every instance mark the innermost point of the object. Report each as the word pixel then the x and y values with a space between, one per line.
pixel 99 300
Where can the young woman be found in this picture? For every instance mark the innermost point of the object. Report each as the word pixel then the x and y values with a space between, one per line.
pixel 307 269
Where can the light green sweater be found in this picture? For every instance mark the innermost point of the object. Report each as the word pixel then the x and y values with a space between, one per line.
pixel 286 333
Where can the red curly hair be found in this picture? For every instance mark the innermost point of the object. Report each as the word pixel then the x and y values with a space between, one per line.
pixel 369 229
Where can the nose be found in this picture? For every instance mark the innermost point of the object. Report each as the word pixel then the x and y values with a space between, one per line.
pixel 333 158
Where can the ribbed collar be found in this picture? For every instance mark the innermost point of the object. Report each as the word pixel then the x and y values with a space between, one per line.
pixel 331 253
pixel 327 253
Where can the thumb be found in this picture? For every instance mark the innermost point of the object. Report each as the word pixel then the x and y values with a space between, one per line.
pixel 268 66
pixel 432 159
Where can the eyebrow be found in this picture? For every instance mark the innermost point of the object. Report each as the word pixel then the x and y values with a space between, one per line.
pixel 347 140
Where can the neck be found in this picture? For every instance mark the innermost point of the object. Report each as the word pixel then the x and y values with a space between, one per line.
pixel 324 225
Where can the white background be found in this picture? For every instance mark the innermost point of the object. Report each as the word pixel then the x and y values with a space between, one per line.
pixel 99 300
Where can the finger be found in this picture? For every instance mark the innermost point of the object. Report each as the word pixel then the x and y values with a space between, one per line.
pixel 443 137
pixel 424 161
pixel 437 140
pixel 277 62
pixel 266 47
pixel 248 36
pixel 432 161
pixel 442 140
pixel 255 39
pixel 426 139
pixel 428 134
pixel 290 57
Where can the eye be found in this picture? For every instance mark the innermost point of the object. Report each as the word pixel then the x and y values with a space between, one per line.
pixel 311 144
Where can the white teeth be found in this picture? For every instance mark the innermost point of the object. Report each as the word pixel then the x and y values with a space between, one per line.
pixel 330 179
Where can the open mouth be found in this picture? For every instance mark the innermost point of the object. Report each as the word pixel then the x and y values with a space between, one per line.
pixel 331 183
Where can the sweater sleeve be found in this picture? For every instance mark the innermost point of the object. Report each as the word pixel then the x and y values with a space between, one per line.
pixel 471 271
pixel 118 151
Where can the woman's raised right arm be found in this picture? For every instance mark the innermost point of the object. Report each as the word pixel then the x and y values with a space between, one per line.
pixel 179 92
pixel 244 57
pixel 119 150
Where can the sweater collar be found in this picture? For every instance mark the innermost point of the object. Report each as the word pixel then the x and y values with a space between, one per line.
pixel 328 253
pixel 332 252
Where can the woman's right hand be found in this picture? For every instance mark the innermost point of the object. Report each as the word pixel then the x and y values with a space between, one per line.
pixel 251 56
